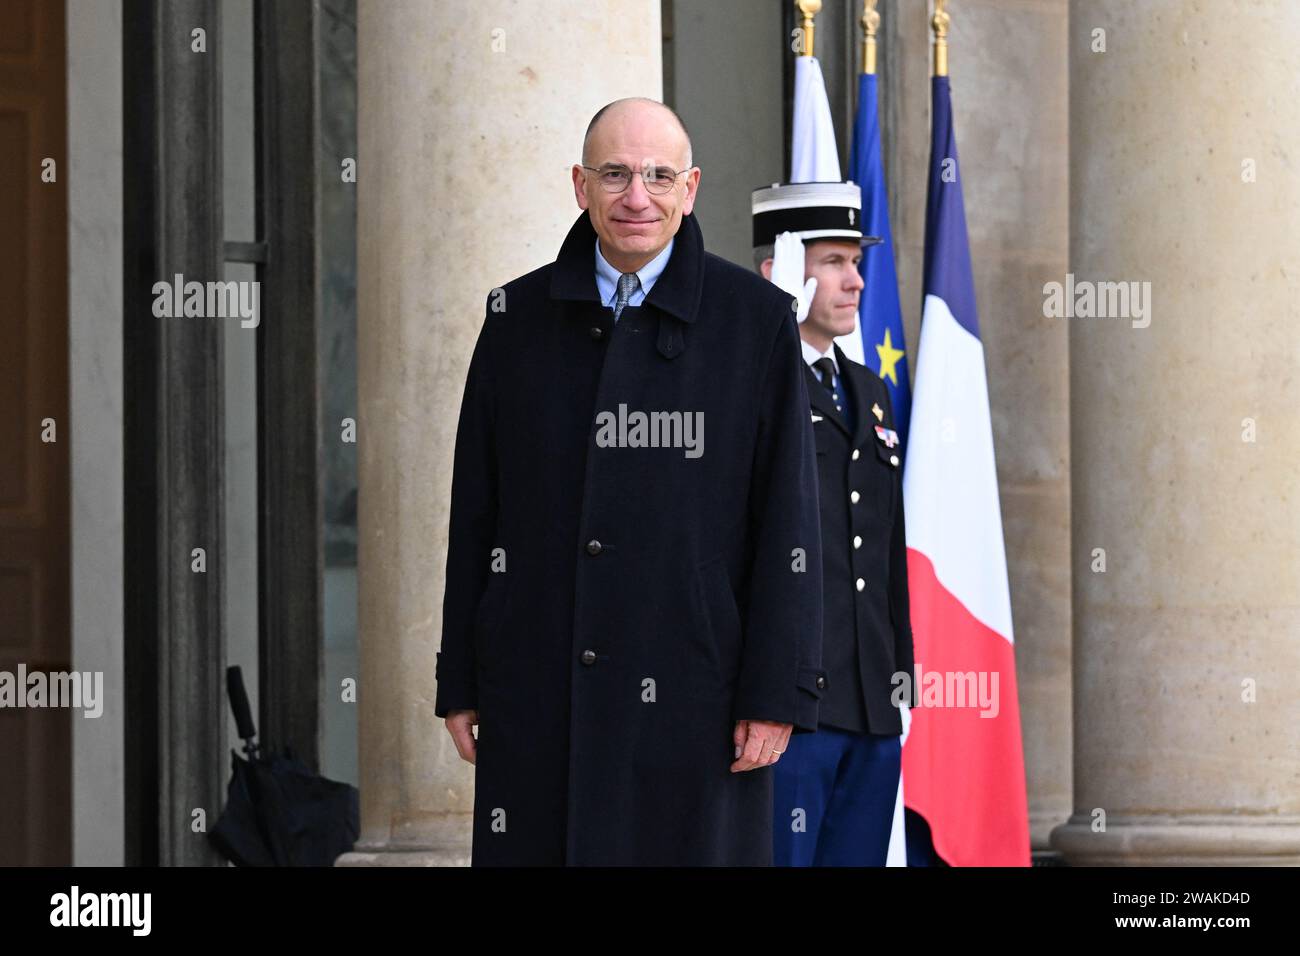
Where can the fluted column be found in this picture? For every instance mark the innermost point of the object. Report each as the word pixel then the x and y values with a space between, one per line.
pixel 1185 434
pixel 469 116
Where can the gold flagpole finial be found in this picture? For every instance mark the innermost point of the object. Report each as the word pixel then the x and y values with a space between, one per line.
pixel 870 23
pixel 939 23
pixel 807 10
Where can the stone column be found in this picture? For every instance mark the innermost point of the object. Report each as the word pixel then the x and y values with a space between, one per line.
pixel 1185 434
pixel 469 116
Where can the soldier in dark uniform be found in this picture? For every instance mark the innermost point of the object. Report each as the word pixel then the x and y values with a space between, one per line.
pixel 836 789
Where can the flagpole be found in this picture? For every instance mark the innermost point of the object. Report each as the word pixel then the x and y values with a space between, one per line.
pixel 814 156
pixel 808 9
pixel 939 23
pixel 870 23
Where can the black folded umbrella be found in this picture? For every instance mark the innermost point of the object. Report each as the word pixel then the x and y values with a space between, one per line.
pixel 278 811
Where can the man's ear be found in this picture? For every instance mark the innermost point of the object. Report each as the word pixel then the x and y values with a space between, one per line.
pixel 692 187
pixel 579 186
pixel 766 269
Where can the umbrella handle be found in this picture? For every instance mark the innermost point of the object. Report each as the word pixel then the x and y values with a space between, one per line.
pixel 239 704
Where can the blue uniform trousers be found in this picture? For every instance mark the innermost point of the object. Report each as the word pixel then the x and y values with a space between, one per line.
pixel 833 799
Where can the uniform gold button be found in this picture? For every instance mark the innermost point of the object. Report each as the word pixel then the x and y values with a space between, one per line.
pixel 856 454
pixel 857 541
pixel 854 497
pixel 861 584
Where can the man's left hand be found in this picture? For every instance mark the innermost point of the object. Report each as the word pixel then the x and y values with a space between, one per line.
pixel 759 743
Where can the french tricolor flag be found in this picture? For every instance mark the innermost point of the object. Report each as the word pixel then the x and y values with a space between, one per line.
pixel 962 762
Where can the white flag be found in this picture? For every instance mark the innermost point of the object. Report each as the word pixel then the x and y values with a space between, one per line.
pixel 813 156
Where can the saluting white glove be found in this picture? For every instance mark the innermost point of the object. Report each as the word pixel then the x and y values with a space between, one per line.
pixel 788 272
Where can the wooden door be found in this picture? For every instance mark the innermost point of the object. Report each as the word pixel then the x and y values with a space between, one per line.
pixel 35 745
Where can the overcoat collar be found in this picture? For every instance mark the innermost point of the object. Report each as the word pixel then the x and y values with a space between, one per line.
pixel 677 291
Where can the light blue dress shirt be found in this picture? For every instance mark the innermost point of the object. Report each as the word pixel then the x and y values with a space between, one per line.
pixel 607 276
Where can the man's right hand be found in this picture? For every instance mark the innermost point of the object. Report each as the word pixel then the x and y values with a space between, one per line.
pixel 788 272
pixel 460 724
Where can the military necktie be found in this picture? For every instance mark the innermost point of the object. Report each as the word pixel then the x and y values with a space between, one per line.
pixel 627 284
pixel 827 368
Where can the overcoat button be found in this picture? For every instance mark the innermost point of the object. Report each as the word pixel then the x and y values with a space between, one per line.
pixel 854 497
pixel 588 657
pixel 821 683
pixel 857 541
pixel 593 546
pixel 856 454
pixel 597 332
pixel 861 584
pixel 893 460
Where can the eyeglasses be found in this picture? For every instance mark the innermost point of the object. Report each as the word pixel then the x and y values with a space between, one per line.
pixel 615 178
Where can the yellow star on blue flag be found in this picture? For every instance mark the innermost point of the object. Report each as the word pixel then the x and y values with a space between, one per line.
pixel 889 357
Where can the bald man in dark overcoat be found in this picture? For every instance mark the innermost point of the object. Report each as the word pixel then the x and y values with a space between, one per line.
pixel 632 614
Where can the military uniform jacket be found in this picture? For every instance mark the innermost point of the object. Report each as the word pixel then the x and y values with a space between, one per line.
pixel 867 633
pixel 649 599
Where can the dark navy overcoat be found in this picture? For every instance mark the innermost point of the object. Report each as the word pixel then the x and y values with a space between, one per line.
pixel 613 608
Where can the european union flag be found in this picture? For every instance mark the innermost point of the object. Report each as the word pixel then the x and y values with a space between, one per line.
pixel 880 320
